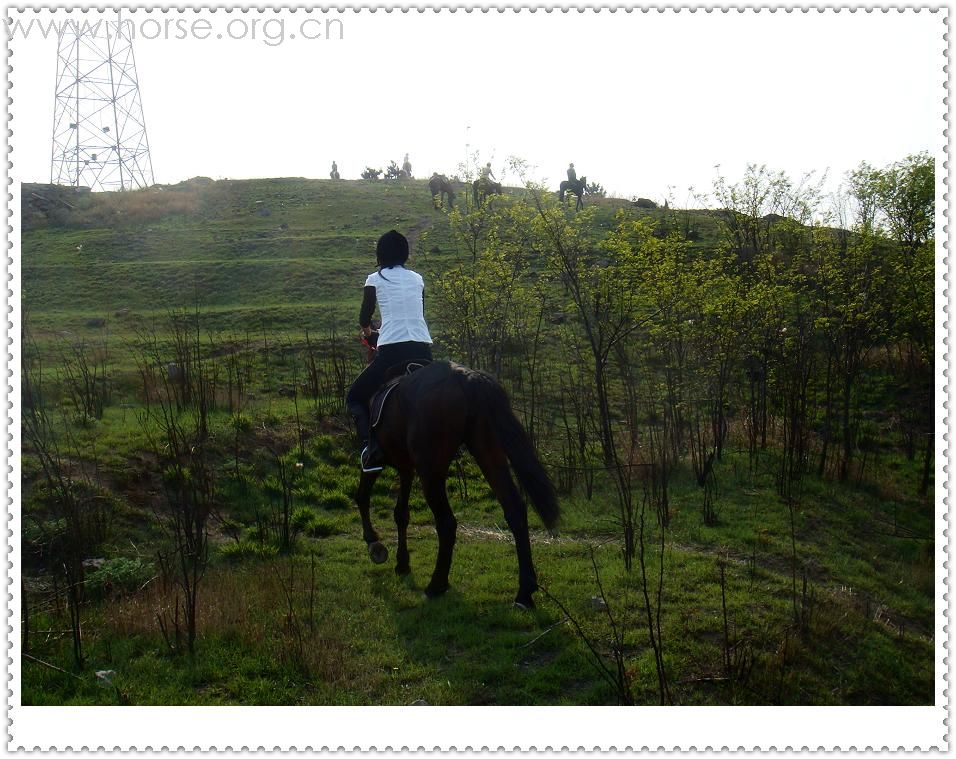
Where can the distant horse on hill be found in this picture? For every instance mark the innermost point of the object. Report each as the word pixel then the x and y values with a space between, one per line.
pixel 426 418
pixel 482 188
pixel 576 188
pixel 440 186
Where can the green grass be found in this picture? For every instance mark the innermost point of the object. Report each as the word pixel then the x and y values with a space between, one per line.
pixel 369 637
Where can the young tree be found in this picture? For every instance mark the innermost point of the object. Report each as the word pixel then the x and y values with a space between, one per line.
pixel 481 302
pixel 853 278
pixel 905 194
pixel 753 208
pixel 602 281
pixel 180 438
pixel 906 197
pixel 898 202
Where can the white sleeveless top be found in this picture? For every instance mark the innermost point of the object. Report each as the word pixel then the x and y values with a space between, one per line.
pixel 399 296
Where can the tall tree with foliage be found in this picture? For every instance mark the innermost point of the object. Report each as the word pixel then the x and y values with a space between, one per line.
pixel 898 202
pixel 906 191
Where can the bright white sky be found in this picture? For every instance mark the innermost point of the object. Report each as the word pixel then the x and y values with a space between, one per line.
pixel 640 102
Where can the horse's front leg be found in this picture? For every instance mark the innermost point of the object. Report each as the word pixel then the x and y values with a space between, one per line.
pixel 376 551
pixel 402 564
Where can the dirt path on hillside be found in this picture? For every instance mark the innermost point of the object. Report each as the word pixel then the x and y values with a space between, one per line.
pixel 871 607
pixel 415 231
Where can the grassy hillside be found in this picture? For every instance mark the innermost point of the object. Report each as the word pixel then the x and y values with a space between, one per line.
pixel 264 261
pixel 275 252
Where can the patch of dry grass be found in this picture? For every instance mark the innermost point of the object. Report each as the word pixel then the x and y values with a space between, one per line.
pixel 139 206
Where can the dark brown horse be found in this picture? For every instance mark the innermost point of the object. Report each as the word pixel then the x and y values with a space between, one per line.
pixel 576 188
pixel 440 186
pixel 426 419
pixel 482 188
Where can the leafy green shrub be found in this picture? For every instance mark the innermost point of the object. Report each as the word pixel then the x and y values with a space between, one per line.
pixel 341 455
pixel 307 493
pixel 329 449
pixel 257 534
pixel 337 477
pixel 272 486
pixel 322 447
pixel 48 532
pixel 242 423
pixel 302 517
pixel 119 576
pixel 235 553
pixel 336 500
pixel 393 172
pixel 307 521
pixel 41 538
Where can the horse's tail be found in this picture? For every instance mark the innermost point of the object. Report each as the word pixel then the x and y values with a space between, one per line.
pixel 496 408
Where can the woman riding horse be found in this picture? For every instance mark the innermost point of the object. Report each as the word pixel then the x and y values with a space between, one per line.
pixel 576 188
pixel 426 419
pixel 403 336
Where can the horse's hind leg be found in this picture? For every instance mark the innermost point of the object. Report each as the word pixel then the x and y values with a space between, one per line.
pixel 494 466
pixel 402 565
pixel 376 551
pixel 445 525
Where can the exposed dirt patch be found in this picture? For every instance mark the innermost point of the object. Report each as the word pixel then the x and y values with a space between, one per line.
pixel 414 232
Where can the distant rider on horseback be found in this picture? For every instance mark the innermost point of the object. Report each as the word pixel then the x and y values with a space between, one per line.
pixel 486 175
pixel 404 336
pixel 572 174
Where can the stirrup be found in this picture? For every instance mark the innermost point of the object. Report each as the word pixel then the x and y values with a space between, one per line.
pixel 366 467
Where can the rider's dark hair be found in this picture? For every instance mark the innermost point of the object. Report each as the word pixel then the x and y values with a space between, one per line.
pixel 392 250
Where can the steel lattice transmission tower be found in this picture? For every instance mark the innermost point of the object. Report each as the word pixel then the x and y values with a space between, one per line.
pixel 99 133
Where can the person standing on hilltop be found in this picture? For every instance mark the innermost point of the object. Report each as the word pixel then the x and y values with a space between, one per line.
pixel 400 295
pixel 334 174
pixel 407 166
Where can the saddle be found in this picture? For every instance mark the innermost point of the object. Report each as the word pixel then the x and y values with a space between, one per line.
pixel 393 377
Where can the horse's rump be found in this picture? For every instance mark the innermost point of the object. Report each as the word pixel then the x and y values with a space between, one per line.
pixel 446 400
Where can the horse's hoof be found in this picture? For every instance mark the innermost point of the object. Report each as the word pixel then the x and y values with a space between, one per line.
pixel 377 552
pixel 433 591
pixel 525 605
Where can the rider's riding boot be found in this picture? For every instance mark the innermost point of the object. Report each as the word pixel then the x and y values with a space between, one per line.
pixel 372 458
pixel 371 454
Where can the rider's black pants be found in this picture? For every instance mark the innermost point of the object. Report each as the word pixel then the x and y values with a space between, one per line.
pixel 372 377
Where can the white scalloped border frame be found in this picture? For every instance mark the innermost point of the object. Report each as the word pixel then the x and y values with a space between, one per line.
pixel 473 729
